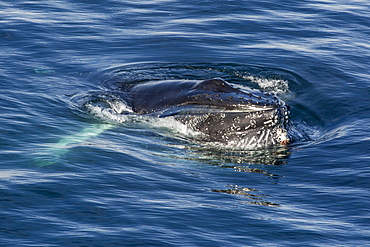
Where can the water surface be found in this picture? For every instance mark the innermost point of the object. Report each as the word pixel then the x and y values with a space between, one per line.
pixel 73 180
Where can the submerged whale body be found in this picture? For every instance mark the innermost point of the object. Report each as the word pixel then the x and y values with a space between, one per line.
pixel 215 108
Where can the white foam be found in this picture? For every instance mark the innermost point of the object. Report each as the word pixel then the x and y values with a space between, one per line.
pixel 274 85
pixel 112 116
pixel 120 106
pixel 172 124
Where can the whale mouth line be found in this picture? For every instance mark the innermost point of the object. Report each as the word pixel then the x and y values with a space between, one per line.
pixel 209 109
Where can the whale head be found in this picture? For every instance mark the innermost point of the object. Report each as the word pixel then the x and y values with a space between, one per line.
pixel 237 115
pixel 220 111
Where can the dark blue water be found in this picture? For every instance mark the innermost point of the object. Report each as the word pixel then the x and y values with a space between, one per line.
pixel 68 179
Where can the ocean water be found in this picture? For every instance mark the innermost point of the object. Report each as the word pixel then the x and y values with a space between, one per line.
pixel 72 178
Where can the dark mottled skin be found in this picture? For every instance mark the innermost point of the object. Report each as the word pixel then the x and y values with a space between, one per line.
pixel 217 109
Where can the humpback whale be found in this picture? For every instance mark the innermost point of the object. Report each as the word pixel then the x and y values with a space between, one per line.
pixel 220 111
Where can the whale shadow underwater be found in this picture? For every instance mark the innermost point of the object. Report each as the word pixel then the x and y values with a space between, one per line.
pixel 221 112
